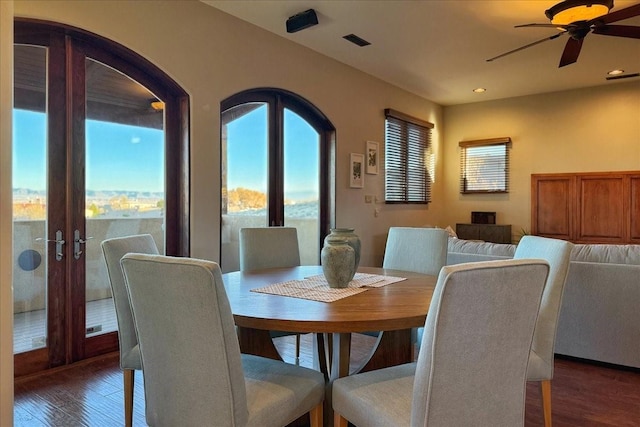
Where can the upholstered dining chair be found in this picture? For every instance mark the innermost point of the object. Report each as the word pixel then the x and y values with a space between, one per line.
pixel 194 373
pixel 113 250
pixel 421 250
pixel 557 253
pixel 471 368
pixel 270 247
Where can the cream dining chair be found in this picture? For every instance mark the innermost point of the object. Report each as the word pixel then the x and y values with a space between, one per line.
pixel 472 365
pixel 113 250
pixel 270 247
pixel 557 253
pixel 421 250
pixel 194 374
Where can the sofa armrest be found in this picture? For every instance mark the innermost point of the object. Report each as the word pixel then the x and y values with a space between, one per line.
pixel 599 315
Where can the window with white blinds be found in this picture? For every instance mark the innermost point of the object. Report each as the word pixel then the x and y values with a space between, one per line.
pixel 408 159
pixel 484 166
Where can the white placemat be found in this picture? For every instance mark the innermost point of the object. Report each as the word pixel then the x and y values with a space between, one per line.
pixel 316 287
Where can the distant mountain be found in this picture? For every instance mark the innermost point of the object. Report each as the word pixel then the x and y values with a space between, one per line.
pixel 128 193
pixel 297 210
pixel 96 193
pixel 27 192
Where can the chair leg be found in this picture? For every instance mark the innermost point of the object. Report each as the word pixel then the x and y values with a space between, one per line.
pixel 128 396
pixel 315 416
pixel 298 349
pixel 339 421
pixel 545 387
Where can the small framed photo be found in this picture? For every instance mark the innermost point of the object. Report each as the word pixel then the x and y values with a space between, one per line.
pixel 372 158
pixel 356 170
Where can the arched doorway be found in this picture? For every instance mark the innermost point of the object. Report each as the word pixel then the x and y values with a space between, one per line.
pixel 100 150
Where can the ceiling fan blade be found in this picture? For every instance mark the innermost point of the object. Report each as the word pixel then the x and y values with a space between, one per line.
pixel 555 36
pixel 563 26
pixel 619 15
pixel 571 52
pixel 534 25
pixel 618 31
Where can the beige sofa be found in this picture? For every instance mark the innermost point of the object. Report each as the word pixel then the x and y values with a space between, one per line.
pixel 600 313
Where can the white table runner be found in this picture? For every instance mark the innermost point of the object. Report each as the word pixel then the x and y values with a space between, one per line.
pixel 316 287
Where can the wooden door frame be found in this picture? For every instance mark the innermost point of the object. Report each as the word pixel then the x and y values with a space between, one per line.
pixel 68 46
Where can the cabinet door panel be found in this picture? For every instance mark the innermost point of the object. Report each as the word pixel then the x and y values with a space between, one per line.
pixel 601 212
pixel 553 206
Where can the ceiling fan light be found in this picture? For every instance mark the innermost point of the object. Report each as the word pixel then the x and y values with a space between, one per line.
pixel 570 11
pixel 157 105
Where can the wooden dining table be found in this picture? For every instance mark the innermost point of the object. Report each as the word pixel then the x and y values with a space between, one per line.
pixel 394 309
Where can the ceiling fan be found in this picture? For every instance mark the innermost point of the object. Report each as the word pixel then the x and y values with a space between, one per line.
pixel 577 18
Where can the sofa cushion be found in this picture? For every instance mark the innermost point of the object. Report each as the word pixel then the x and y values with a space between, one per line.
pixel 609 254
pixel 481 248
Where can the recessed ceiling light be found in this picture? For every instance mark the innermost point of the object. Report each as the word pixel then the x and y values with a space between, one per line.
pixel 615 72
pixel 479 90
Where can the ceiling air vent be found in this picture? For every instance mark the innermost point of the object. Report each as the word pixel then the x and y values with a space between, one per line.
pixel 356 40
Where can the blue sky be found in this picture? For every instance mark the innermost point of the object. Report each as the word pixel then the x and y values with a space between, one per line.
pixel 119 157
pixel 123 157
pixel 247 151
pixel 28 150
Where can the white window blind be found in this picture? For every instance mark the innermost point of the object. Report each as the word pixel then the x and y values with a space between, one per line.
pixel 484 166
pixel 407 159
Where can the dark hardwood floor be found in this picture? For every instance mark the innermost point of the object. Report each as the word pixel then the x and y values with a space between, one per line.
pixel 90 393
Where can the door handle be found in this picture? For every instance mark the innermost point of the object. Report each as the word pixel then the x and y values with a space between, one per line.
pixel 77 241
pixel 59 243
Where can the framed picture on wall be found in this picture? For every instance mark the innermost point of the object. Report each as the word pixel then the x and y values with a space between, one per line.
pixel 356 170
pixel 372 157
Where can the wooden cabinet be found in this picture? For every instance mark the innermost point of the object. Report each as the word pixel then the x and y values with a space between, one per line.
pixel 599 207
pixel 487 232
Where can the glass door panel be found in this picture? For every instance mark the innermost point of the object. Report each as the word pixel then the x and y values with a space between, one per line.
pixel 30 200
pixel 245 176
pixel 124 179
pixel 90 155
pixel 301 184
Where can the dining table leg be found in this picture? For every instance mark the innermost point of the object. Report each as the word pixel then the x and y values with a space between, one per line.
pixel 335 363
pixel 257 342
pixel 393 348
pixel 341 343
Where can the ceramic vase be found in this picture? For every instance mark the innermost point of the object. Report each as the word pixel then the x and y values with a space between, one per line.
pixel 352 239
pixel 338 262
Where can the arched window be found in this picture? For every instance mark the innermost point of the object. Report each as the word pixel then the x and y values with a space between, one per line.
pixel 277 155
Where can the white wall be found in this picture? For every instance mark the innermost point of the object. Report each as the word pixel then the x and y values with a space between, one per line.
pixel 6 298
pixel 589 130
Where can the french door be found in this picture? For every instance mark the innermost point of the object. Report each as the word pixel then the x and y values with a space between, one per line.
pixel 94 146
pixel 276 170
